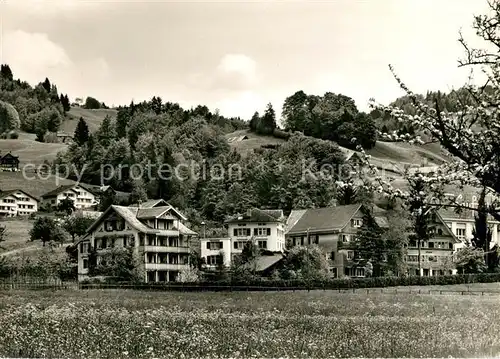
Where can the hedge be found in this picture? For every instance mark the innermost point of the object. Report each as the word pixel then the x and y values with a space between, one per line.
pixel 269 284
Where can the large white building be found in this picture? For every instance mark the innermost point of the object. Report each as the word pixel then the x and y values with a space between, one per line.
pixel 17 203
pixel 81 196
pixel 265 228
pixel 154 229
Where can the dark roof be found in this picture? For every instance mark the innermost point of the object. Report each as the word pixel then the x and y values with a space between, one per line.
pixel 129 214
pixel 58 190
pixel 257 215
pixel 151 203
pixel 9 192
pixel 9 155
pixel 265 262
pixel 324 219
pixel 152 212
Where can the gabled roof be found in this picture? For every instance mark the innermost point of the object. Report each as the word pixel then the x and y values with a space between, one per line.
pixel 129 214
pixel 67 187
pixel 58 190
pixel 265 262
pixel 447 229
pixel 257 215
pixel 154 212
pixel 4 194
pixel 7 155
pixel 151 203
pixel 327 219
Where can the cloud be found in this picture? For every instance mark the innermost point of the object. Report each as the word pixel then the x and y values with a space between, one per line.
pixel 234 72
pixel 34 56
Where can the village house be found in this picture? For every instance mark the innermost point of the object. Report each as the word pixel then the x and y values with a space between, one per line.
pixel 9 162
pixel 462 226
pixel 327 227
pixel 154 229
pixel 80 195
pixel 266 228
pixel 17 203
pixel 435 256
pixel 64 137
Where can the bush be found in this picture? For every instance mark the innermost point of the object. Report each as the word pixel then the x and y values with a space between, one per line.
pixel 9 117
pixel 13 135
pixel 281 134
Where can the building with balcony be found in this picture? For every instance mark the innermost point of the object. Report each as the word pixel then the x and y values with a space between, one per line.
pixel 327 227
pixel 82 196
pixel 435 256
pixel 154 229
pixel 265 228
pixel 17 203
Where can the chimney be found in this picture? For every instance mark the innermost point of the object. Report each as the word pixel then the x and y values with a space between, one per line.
pixel 249 212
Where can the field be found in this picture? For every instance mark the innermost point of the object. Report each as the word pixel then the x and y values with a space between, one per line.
pixel 120 324
pixel 92 117
pixel 31 151
pixel 384 154
pixel 17 234
pixel 34 184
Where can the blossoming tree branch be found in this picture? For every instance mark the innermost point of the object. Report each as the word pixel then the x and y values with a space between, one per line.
pixel 471 134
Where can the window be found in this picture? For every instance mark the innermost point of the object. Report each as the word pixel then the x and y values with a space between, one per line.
pixel 360 272
pixel 214 246
pixel 460 232
pixel 262 244
pixel 109 226
pixel 344 238
pixel 213 260
pixel 315 239
pixel 120 225
pixel 431 244
pixel 262 232
pixel 350 255
pixel 332 256
pixel 241 232
pixel 356 223
pixel 333 272
pixel 85 263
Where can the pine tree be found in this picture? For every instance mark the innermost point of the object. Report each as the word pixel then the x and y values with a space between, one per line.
pixel 46 85
pixel 369 245
pixel 105 133
pixel 81 135
pixel 267 123
pixel 6 72
pixel 482 234
pixel 254 121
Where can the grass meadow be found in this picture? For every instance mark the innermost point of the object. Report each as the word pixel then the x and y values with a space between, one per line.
pixel 320 324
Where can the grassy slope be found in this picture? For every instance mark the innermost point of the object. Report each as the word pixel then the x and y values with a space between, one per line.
pixel 92 117
pixel 31 151
pixel 315 324
pixel 382 153
pixel 17 235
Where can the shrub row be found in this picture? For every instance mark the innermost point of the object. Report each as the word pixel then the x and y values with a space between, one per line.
pixel 263 284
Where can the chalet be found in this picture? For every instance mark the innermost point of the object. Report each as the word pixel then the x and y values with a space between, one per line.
pixel 266 228
pixel 79 194
pixel 17 203
pixel 435 256
pixel 9 162
pixel 154 229
pixel 328 227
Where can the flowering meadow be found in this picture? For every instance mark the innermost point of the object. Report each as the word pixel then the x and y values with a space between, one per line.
pixel 121 324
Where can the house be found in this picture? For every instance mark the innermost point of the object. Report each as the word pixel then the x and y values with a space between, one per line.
pixel 108 192
pixel 154 229
pixel 462 225
pixel 64 137
pixel 79 194
pixel 266 228
pixel 9 162
pixel 327 227
pixel 17 203
pixel 265 265
pixel 435 256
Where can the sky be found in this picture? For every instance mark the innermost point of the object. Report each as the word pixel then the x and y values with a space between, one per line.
pixel 237 56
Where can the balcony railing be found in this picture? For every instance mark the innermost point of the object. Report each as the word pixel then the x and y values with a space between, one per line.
pixel 165 266
pixel 166 249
